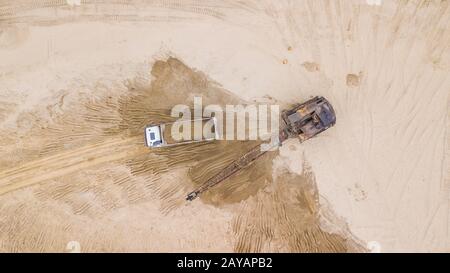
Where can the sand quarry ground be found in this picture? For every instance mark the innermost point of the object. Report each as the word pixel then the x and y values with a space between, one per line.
pixel 80 79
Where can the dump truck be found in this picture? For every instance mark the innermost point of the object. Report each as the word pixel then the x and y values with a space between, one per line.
pixel 302 121
pixel 162 135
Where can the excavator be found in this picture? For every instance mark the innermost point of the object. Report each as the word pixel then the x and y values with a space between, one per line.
pixel 302 121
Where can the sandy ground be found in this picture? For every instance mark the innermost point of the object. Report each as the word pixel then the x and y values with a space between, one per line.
pixel 79 81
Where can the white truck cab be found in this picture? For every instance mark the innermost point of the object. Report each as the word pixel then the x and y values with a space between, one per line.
pixel 153 136
pixel 159 135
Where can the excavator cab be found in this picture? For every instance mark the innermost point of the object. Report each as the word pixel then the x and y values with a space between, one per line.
pixel 308 119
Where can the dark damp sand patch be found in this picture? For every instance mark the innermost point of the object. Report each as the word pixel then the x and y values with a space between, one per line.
pixel 284 217
pixel 175 83
pixel 243 184
pixel 276 215
pixel 98 118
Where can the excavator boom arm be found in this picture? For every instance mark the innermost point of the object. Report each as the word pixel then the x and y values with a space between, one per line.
pixel 228 171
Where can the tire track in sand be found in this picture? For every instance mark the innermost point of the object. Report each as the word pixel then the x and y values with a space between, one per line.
pixel 68 162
